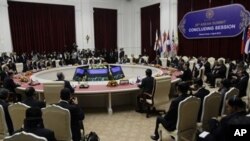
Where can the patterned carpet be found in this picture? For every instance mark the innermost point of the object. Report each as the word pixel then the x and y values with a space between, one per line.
pixel 124 125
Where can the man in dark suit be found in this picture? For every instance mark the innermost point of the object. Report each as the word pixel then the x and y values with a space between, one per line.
pixel 30 100
pixel 157 61
pixel 201 93
pixel 147 87
pixel 11 86
pixel 33 123
pixel 242 82
pixel 9 82
pixel 174 62
pixel 61 77
pixel 140 60
pixel 170 119
pixel 122 53
pixel 4 72
pixel 207 66
pixel 220 130
pixel 125 59
pixel 5 105
pixel 76 113
pixel 187 74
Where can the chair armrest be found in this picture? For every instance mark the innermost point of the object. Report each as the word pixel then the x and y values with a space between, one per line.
pixel 147 94
pixel 199 126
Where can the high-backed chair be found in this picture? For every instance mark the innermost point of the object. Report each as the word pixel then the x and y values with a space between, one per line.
pixel 223 59
pixel 210 109
pixel 19 67
pixel 227 69
pixel 202 73
pixel 185 58
pixel 3 125
pixel 24 136
pixel 186 123
pixel 17 114
pixel 211 61
pixel 160 94
pixel 192 64
pixel 230 93
pixel 57 119
pixel 52 91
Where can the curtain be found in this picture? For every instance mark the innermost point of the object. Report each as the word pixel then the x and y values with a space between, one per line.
pixel 217 47
pixel 150 22
pixel 105 29
pixel 41 27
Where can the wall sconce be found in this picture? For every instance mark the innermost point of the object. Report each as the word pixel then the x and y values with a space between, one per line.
pixel 87 38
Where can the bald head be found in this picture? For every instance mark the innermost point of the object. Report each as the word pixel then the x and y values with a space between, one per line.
pixel 60 76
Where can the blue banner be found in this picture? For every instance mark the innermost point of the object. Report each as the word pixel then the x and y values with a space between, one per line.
pixel 223 21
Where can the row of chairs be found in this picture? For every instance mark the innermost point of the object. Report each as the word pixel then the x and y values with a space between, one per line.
pixel 52 115
pixel 187 125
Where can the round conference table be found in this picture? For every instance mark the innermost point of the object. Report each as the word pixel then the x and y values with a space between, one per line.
pixel 96 88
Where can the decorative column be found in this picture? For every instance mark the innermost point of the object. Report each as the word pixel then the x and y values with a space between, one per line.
pixel 88 25
pixel 169 16
pixel 79 26
pixel 5 36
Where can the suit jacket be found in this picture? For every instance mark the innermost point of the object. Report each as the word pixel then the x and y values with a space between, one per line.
pixel 221 72
pixel 67 85
pixel 207 67
pixel 174 62
pixel 121 55
pixel 30 101
pixel 42 132
pixel 12 67
pixel 5 106
pixel 141 61
pixel 10 84
pixel 147 84
pixel 76 115
pixel 125 60
pixel 3 75
pixel 242 85
pixel 220 133
pixel 201 93
pixel 187 75
pixel 172 114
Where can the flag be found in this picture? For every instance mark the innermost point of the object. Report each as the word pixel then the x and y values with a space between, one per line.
pixel 160 43
pixel 168 43
pixel 156 41
pixel 164 36
pixel 174 45
pixel 246 40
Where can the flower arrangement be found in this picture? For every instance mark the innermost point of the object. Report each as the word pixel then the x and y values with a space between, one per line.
pixel 23 79
pixel 112 83
pixel 28 73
